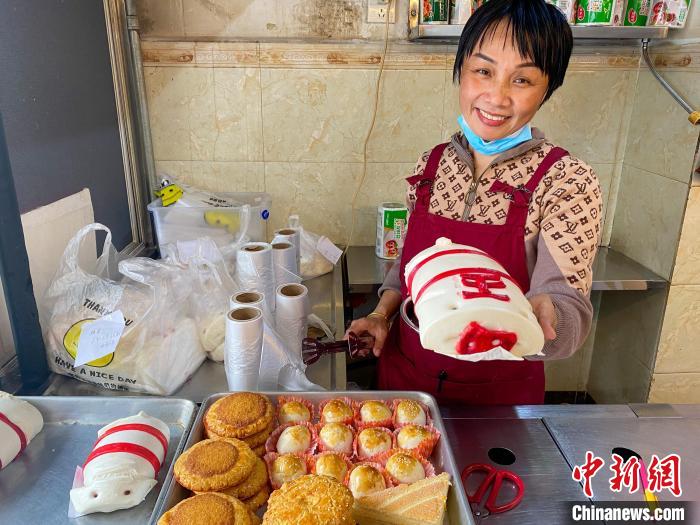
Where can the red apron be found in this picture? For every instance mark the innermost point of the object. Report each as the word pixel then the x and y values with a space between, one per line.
pixel 405 364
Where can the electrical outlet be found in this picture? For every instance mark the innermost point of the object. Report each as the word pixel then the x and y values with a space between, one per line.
pixel 378 10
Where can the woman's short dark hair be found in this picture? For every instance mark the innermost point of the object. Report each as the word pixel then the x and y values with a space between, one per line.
pixel 537 29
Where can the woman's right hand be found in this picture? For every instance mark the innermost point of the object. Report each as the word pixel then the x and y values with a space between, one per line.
pixel 376 326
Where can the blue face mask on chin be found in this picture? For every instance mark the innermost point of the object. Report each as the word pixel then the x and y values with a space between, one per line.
pixel 494 147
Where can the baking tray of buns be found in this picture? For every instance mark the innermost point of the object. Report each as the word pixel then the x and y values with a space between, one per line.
pixel 458 511
pixel 35 487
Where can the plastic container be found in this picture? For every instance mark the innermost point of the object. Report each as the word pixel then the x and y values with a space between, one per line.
pixel 222 224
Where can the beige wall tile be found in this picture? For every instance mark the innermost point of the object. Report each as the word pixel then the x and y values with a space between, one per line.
pixel 661 139
pixel 409 118
pixel 585 115
pixel 675 388
pixel 611 203
pixel 605 174
pixel 678 347
pixel 232 18
pixel 238 125
pixel 167 92
pixel 230 177
pixel 316 115
pixel 687 269
pixel 160 19
pixel 205 114
pixel 648 217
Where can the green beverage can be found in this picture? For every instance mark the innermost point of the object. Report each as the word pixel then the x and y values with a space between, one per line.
pixel 600 12
pixel 434 11
pixel 637 12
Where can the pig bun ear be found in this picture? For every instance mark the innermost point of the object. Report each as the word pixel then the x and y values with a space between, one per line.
pixel 108 496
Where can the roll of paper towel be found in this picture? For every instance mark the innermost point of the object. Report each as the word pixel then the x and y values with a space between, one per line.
pixel 244 340
pixel 254 270
pixel 291 315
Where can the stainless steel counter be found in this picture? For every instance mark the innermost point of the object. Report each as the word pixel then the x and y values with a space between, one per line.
pixel 326 294
pixel 611 271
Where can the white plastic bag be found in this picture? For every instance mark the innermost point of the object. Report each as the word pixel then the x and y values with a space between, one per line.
pixel 159 348
pixel 212 288
pixel 312 263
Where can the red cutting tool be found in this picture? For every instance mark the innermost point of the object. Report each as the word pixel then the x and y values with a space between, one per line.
pixel 483 505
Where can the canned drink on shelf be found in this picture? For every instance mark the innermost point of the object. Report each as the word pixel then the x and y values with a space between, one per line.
pixel 600 12
pixel 460 11
pixel 637 12
pixel 392 219
pixel 434 11
pixel 567 7
pixel 671 13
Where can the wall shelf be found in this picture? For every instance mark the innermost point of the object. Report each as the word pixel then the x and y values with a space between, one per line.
pixel 451 33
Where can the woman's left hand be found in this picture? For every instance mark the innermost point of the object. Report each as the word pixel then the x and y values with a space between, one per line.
pixel 546 314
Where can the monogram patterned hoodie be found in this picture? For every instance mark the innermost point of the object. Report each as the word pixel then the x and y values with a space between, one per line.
pixel 562 231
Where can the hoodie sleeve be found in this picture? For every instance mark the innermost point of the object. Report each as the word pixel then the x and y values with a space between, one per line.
pixel 569 236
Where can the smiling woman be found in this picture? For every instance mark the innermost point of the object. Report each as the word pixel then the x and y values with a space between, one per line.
pixel 500 186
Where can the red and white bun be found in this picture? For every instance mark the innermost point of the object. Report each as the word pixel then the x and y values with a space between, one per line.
pixel 366 478
pixel 335 437
pixel 372 441
pixel 293 409
pixel 285 467
pixel 410 411
pixel 420 439
pixel 293 438
pixel 330 464
pixel 337 410
pixel 372 413
pixel 405 466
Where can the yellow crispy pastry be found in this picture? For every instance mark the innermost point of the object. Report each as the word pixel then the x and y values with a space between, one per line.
pixel 310 500
pixel 373 441
pixel 336 411
pixel 286 468
pixel 373 411
pixel 294 412
pixel 259 451
pixel 250 486
pixel 411 436
pixel 259 439
pixel 205 509
pixel 258 500
pixel 405 468
pixel 239 415
pixel 364 480
pixel 333 465
pixel 254 519
pixel 214 464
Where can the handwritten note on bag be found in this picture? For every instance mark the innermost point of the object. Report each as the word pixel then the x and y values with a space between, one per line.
pixel 100 337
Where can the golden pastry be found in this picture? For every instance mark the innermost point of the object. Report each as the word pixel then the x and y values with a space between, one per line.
pixel 412 436
pixel 259 451
pixel 259 439
pixel 331 464
pixel 239 415
pixel 286 467
pixel 405 468
pixel 250 486
pixel 365 479
pixel 296 438
pixel 374 412
pixel 214 464
pixel 310 500
pixel 336 411
pixel 373 441
pixel 205 509
pixel 336 437
pixel 254 519
pixel 408 411
pixel 294 412
pixel 257 500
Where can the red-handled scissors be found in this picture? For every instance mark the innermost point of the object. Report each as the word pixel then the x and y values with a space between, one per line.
pixel 494 480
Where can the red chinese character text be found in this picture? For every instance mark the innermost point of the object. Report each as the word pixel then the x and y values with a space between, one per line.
pixel 484 280
pixel 586 472
pixel 625 474
pixel 665 474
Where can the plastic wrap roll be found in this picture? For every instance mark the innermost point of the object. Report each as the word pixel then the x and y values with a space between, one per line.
pixel 255 271
pixel 291 315
pixel 244 339
pixel 292 236
pixel 285 262
pixel 248 298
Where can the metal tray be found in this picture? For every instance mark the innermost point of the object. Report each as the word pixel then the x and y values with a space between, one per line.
pixel 35 487
pixel 458 510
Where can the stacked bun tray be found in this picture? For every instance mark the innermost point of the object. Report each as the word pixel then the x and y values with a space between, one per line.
pixel 458 510
pixel 35 487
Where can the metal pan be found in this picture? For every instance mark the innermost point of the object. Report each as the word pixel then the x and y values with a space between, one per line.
pixel 458 510
pixel 35 487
